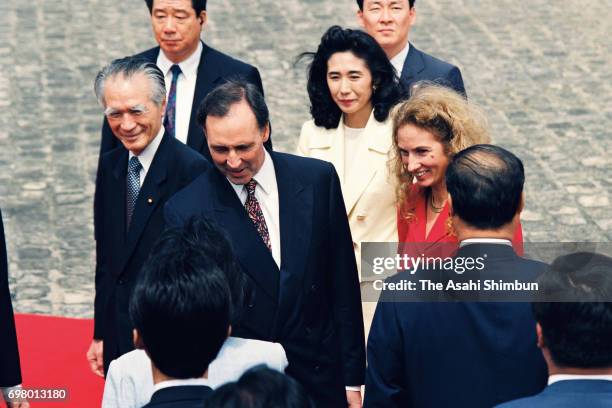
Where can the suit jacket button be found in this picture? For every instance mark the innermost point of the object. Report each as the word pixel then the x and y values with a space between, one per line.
pixel 308 331
pixel 313 288
pixel 317 368
pixel 250 305
pixel 120 281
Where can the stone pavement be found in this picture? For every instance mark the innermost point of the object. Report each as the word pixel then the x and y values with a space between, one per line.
pixel 541 69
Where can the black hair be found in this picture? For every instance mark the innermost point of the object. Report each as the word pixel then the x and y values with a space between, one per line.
pixel 260 387
pixel 198 6
pixel 485 183
pixel 181 306
pixel 219 101
pixel 360 4
pixel 577 334
pixel 386 87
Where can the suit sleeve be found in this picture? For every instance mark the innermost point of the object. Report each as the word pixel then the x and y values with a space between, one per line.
pixel 384 376
pixel 10 371
pixel 347 297
pixel 171 216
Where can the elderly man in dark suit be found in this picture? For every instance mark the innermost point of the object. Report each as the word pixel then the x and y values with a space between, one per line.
pixel 191 69
pixel 389 22
pixel 134 182
pixel 285 215
pixel 10 371
pixel 470 354
pixel 575 337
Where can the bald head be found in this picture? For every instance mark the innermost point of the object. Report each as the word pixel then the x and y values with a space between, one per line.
pixel 485 183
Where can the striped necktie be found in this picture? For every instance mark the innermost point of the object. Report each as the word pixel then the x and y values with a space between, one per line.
pixel 170 119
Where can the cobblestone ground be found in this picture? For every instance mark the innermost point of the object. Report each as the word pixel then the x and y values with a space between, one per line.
pixel 541 69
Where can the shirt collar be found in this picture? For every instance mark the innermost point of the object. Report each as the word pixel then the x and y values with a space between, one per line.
pixel 174 383
pixel 398 60
pixel 562 377
pixel 146 156
pixel 189 66
pixel 498 241
pixel 265 177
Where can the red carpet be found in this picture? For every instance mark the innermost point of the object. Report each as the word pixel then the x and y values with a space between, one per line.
pixel 52 352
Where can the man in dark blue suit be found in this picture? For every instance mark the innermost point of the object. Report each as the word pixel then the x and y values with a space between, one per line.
pixel 285 215
pixel 441 354
pixel 177 26
pixel 389 22
pixel 181 312
pixel 10 371
pixel 135 180
pixel 575 337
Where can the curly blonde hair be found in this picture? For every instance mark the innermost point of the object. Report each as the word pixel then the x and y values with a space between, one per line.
pixel 455 122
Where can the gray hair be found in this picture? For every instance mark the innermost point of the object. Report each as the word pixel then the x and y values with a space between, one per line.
pixel 128 67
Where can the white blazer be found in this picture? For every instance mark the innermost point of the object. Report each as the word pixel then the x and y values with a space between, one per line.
pixel 369 192
pixel 129 382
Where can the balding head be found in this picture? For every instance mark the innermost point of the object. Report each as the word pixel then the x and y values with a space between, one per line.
pixel 485 183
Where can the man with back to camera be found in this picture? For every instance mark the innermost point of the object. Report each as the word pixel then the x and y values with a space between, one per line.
pixel 134 181
pixel 181 309
pixel 286 218
pixel 191 69
pixel 468 355
pixel 389 22
pixel 575 337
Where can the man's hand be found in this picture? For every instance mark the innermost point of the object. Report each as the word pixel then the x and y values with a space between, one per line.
pixel 353 399
pixel 94 356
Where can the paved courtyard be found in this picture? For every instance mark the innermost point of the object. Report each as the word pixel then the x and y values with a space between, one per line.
pixel 541 69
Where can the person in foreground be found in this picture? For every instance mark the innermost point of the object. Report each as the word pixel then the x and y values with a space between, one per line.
pixel 260 387
pixel 286 218
pixel 134 181
pixel 10 370
pixel 181 309
pixel 389 22
pixel 575 337
pixel 472 355
pixel 428 130
pixel 129 381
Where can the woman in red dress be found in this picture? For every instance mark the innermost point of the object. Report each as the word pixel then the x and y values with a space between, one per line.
pixel 428 129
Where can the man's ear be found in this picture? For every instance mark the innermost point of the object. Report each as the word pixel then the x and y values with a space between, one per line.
pixel 138 343
pixel 540 336
pixel 266 133
pixel 360 18
pixel 521 203
pixel 202 17
pixel 229 331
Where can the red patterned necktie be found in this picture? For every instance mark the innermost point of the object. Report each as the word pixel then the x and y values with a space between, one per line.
pixel 255 214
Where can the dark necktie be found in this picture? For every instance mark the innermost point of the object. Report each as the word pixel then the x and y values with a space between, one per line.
pixel 170 119
pixel 133 186
pixel 255 214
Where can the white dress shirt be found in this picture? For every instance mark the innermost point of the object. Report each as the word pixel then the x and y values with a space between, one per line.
pixel 266 194
pixel 185 88
pixel 398 60
pixel 129 381
pixel 563 377
pixel 177 383
pixel 146 156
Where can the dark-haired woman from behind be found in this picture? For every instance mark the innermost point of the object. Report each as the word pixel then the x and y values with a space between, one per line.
pixel 352 86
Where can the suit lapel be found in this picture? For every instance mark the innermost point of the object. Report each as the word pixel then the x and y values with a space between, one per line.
pixel 373 148
pixel 254 256
pixel 413 65
pixel 208 73
pixel 148 199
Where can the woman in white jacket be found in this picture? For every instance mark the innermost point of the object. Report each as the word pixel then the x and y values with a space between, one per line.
pixel 352 86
